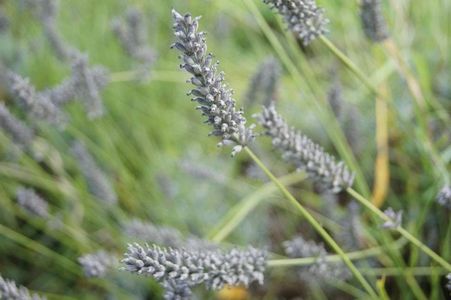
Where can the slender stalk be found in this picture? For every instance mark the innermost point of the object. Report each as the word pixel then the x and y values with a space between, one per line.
pixel 237 214
pixel 401 230
pixel 356 255
pixel 315 224
pixel 415 271
pixel 348 63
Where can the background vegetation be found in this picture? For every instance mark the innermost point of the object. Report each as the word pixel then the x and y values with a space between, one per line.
pixel 166 170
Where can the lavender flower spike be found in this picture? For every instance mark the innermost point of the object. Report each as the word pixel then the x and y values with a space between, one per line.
pixel 10 291
pixel 373 21
pixel 31 202
pixel 304 18
pixel 176 290
pixel 304 153
pixel 213 95
pixel 444 196
pixel 213 268
pixel 16 129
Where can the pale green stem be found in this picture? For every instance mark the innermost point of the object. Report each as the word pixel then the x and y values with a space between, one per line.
pixel 348 63
pixel 289 262
pixel 315 225
pixel 237 214
pixel 406 271
pixel 401 230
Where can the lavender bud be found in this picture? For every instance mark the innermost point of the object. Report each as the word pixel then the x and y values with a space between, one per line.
pixel 298 248
pixel 304 153
pixel 35 104
pixel 16 129
pixel 395 218
pixel 97 264
pixel 10 291
pixel 31 202
pixel 373 21
pixel 176 290
pixel 303 17
pixel 262 88
pixel 213 268
pixel 98 183
pixel 132 34
pixel 214 97
pixel 444 197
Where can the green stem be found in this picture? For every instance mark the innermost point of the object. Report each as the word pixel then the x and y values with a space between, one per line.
pixel 237 214
pixel 401 230
pixel 348 63
pixel 315 224
pixel 287 262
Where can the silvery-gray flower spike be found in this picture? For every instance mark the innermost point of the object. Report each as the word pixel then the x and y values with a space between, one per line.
pixel 303 17
pixel 373 21
pixel 213 95
pixel 10 291
pixel 176 290
pixel 213 268
pixel 395 218
pixel 304 154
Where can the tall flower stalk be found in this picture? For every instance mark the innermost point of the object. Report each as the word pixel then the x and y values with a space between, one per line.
pixel 211 92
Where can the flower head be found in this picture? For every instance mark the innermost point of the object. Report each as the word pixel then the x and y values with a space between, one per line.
pixel 304 153
pixel 304 18
pixel 373 21
pixel 213 268
pixel 213 95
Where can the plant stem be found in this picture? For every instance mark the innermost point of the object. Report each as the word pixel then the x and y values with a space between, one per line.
pixel 348 63
pixel 401 230
pixel 315 224
pixel 287 262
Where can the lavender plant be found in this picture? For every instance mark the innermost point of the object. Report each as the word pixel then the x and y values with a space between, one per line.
pixel 373 21
pixel 303 153
pixel 176 290
pixel 98 183
pixel 31 202
pixel 97 264
pixel 303 17
pixel 215 268
pixel 10 291
pixel 17 130
pixel 213 95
